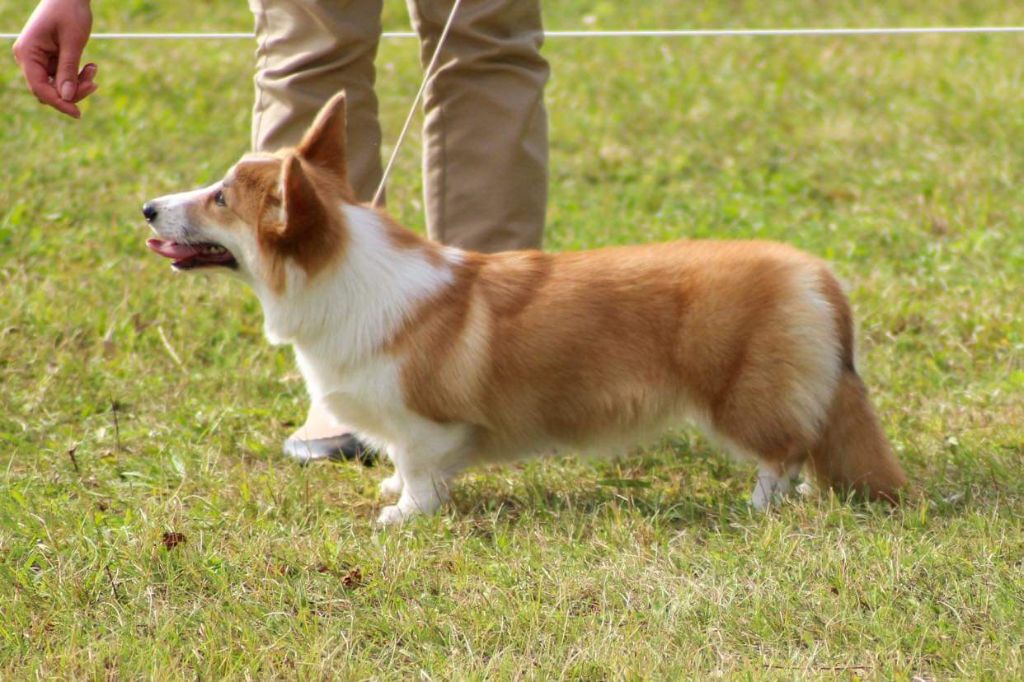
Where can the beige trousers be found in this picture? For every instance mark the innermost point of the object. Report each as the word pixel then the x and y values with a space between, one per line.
pixel 485 134
pixel 485 131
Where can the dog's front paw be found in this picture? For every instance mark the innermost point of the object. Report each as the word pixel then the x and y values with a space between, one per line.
pixel 391 487
pixel 391 516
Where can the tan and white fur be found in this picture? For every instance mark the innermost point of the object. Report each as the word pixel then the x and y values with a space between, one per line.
pixel 445 358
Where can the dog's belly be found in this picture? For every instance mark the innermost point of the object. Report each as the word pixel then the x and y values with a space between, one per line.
pixel 369 398
pixel 610 432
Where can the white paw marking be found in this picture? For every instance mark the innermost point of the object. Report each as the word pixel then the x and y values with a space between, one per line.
pixel 391 515
pixel 764 490
pixel 770 487
pixel 391 486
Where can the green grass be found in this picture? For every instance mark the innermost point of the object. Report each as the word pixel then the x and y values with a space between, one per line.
pixel 899 159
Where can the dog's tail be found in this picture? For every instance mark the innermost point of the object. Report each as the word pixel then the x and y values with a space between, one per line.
pixel 852 453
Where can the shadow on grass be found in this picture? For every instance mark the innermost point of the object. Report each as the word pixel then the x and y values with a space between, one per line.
pixel 597 503
pixel 678 486
pixel 658 484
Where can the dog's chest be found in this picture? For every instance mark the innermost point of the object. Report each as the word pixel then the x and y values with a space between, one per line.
pixel 367 396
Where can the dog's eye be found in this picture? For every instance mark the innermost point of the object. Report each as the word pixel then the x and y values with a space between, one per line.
pixel 219 199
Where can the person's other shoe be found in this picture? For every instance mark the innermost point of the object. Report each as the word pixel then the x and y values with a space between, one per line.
pixel 321 437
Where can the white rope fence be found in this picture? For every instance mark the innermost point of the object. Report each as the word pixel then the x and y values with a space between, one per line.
pixel 681 33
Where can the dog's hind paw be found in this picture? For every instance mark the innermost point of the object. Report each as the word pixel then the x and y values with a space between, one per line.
pixel 771 487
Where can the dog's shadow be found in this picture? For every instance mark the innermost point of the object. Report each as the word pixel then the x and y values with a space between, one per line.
pixel 594 504
pixel 681 483
pixel 658 485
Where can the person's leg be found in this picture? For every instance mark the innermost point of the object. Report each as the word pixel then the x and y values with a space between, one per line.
pixel 308 51
pixel 485 135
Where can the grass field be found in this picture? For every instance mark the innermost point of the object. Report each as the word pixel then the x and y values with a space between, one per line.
pixel 149 527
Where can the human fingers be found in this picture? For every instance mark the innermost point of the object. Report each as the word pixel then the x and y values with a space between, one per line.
pixel 71 44
pixel 86 83
pixel 39 82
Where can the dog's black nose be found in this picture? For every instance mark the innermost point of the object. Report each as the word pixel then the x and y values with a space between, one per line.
pixel 149 210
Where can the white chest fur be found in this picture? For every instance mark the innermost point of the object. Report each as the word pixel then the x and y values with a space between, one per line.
pixel 339 323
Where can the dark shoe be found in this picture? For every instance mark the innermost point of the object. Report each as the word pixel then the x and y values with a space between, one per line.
pixel 336 448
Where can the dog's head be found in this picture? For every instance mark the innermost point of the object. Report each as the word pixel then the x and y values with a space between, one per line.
pixel 270 214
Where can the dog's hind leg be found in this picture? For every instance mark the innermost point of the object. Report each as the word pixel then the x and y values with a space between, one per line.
pixel 774 481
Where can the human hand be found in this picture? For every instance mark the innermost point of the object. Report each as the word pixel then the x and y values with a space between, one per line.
pixel 49 50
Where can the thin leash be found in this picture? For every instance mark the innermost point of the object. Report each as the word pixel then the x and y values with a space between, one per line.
pixel 379 194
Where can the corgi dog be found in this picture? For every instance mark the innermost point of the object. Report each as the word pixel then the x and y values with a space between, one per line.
pixel 444 358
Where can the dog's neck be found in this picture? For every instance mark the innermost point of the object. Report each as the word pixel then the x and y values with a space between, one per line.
pixel 347 312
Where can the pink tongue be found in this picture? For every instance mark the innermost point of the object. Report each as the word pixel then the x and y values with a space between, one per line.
pixel 172 249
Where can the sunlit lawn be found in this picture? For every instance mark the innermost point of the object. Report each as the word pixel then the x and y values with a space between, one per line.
pixel 150 528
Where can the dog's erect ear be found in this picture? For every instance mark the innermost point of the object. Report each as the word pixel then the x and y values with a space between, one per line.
pixel 304 212
pixel 324 143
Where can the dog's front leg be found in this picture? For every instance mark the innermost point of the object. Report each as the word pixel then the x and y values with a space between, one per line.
pixel 426 461
pixel 391 487
pixel 423 492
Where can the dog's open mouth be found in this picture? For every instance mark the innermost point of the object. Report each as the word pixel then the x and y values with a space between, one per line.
pixel 191 256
